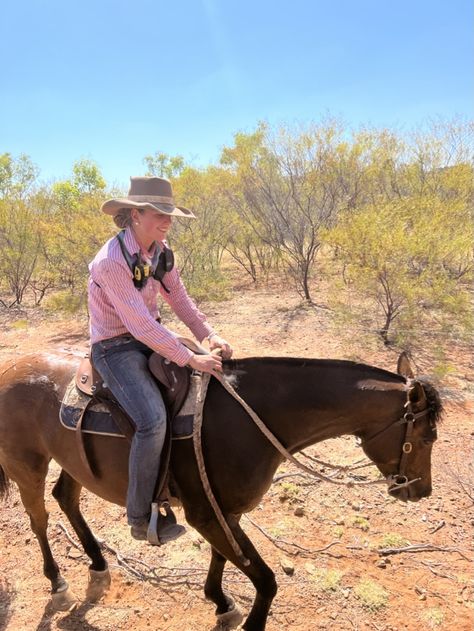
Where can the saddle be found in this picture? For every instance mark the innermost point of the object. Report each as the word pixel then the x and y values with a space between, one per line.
pixel 174 383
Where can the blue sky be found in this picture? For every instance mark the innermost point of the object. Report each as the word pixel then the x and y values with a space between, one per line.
pixel 114 80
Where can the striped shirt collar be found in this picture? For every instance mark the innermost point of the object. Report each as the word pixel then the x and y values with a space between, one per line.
pixel 130 241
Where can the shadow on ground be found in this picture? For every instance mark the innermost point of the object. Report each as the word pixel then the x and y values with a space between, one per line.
pixel 7 596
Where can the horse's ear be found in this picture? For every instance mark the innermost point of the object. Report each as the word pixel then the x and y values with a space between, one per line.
pixel 403 366
pixel 418 394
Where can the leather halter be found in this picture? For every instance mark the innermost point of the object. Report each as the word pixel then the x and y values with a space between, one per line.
pixel 400 480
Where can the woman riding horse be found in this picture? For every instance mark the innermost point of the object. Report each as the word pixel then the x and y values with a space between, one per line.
pixel 126 276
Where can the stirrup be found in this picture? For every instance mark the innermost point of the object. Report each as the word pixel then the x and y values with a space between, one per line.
pixel 163 528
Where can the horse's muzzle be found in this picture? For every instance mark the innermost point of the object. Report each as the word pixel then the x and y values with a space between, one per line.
pixel 407 490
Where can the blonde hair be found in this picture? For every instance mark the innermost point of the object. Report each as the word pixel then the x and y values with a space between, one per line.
pixel 123 218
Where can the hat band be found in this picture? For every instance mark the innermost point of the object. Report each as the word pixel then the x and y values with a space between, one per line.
pixel 152 198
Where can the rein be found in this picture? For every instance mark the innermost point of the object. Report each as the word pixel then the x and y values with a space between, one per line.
pixel 409 417
pixel 395 482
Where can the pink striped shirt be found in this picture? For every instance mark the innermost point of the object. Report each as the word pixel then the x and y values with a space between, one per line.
pixel 116 306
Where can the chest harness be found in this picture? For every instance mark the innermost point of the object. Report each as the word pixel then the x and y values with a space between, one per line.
pixel 161 263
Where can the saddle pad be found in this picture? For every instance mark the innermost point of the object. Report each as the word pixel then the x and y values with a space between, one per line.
pixel 98 419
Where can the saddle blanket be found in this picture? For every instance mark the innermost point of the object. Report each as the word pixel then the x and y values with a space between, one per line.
pixel 98 420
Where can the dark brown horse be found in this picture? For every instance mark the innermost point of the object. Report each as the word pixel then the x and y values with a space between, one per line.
pixel 302 401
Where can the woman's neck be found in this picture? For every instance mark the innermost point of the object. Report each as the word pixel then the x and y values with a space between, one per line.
pixel 146 243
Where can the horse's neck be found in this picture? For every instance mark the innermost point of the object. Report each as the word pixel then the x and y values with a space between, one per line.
pixel 307 401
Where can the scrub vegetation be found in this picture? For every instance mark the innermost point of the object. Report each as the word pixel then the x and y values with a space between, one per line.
pixel 383 219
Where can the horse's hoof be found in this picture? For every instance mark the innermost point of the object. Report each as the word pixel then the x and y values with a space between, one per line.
pixel 63 600
pixel 99 583
pixel 230 619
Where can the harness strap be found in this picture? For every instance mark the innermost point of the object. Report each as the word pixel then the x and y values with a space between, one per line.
pixel 408 417
pixel 80 441
pixel 406 448
pixel 197 441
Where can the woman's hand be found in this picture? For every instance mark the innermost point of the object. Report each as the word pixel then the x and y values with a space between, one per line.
pixel 219 342
pixel 206 363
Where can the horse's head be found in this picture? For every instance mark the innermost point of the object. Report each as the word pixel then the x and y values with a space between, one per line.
pixel 402 449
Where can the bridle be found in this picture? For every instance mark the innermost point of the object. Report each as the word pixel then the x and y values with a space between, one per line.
pixel 400 480
pixel 395 481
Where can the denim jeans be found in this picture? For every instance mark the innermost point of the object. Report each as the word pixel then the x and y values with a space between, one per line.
pixel 122 363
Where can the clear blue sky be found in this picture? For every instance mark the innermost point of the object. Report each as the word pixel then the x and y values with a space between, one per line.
pixel 114 80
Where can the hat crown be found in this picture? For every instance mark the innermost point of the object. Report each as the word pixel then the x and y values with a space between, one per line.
pixel 150 187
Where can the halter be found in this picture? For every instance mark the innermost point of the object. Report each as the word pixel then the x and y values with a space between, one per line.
pixel 400 480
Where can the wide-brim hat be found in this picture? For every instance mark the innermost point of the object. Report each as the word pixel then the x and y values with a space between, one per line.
pixel 154 193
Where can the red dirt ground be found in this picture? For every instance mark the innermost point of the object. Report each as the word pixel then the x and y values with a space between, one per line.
pixel 421 590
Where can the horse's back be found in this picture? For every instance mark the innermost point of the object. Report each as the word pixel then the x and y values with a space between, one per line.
pixel 31 388
pixel 43 370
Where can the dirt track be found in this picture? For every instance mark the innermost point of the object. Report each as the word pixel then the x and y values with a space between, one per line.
pixel 408 590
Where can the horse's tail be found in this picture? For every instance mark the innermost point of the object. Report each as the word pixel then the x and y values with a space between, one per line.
pixel 4 484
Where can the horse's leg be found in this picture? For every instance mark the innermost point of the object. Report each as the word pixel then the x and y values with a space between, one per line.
pixel 67 492
pixel 257 571
pixel 31 484
pixel 226 611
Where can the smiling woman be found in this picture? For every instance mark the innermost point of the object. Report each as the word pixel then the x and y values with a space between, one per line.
pixel 125 326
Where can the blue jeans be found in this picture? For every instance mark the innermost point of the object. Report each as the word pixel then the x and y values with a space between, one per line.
pixel 122 362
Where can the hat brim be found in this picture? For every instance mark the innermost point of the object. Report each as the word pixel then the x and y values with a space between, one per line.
pixel 112 207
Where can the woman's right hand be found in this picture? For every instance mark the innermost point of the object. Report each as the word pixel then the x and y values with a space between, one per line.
pixel 206 363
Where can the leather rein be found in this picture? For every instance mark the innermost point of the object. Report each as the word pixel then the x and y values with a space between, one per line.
pixel 395 482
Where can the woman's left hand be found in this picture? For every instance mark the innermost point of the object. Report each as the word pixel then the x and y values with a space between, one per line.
pixel 219 342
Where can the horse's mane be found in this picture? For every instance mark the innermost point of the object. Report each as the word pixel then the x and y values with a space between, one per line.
pixel 435 405
pixel 236 364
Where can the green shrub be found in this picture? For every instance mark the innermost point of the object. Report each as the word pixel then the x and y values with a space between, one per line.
pixel 371 594
pixel 392 540
pixel 360 522
pixel 327 580
pixel 434 617
pixel 65 302
pixel 209 285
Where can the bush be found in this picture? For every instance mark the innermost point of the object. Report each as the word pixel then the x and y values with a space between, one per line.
pixel 327 580
pixel 371 594
pixel 66 302
pixel 392 540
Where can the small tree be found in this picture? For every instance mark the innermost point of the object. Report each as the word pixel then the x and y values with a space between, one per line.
pixel 200 242
pixel 164 165
pixel 398 254
pixel 290 190
pixel 20 242
pixel 20 245
pixel 80 227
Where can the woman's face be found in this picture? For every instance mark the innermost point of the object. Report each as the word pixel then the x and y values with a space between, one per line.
pixel 150 225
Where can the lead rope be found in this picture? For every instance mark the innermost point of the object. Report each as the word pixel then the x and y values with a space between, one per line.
pixel 197 441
